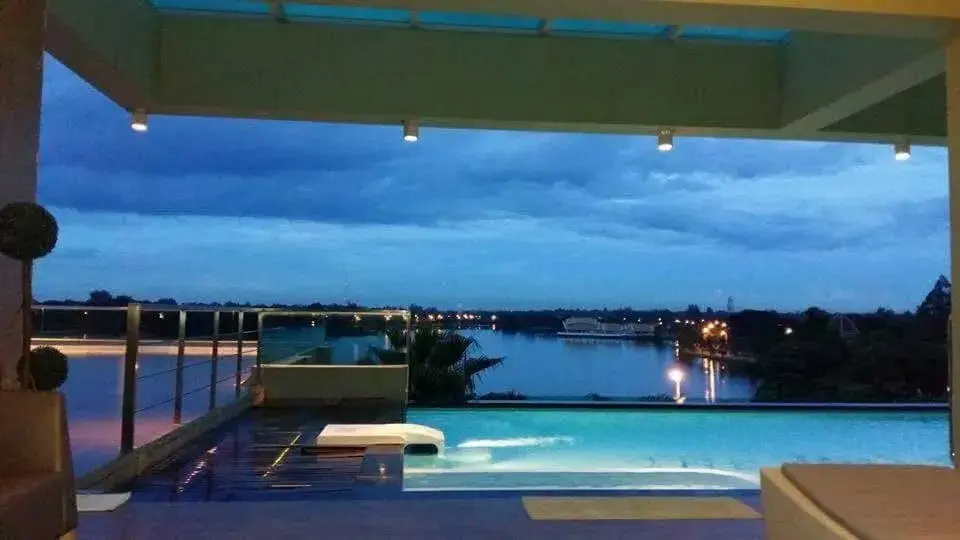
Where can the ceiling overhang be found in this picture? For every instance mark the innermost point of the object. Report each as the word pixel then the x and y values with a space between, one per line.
pixel 115 47
pixel 928 19
pixel 847 71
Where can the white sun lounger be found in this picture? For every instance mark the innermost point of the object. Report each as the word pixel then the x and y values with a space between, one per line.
pixel 380 434
pixel 861 502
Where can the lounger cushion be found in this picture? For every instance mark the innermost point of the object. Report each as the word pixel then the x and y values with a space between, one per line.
pixel 34 459
pixel 884 502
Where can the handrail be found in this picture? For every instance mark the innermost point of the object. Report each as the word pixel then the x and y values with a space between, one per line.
pixel 229 309
pixel 173 369
pixel 236 340
pixel 194 340
pixel 131 378
pixel 184 394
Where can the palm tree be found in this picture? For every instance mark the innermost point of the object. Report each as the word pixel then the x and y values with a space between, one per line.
pixel 442 370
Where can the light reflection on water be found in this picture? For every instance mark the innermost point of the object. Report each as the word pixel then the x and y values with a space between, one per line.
pixel 544 366
pixel 548 367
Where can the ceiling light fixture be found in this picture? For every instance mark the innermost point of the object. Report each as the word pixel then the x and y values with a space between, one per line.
pixel 138 122
pixel 411 131
pixel 665 140
pixel 902 151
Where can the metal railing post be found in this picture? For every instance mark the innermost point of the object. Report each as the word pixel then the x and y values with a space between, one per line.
pixel 129 400
pixel 951 390
pixel 214 359
pixel 259 339
pixel 178 384
pixel 407 353
pixel 409 336
pixel 239 351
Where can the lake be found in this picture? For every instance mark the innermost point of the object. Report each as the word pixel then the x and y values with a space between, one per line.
pixel 547 367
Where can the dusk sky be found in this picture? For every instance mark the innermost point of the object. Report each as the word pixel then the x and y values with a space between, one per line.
pixel 262 211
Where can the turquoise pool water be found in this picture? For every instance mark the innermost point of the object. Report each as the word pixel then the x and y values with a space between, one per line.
pixel 648 449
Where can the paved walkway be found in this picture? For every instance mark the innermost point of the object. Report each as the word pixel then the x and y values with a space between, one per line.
pixel 430 518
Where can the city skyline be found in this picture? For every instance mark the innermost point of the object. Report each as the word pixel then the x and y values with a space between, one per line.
pixel 221 210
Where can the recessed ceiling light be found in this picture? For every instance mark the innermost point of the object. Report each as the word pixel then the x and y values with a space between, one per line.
pixel 411 131
pixel 665 140
pixel 902 151
pixel 138 122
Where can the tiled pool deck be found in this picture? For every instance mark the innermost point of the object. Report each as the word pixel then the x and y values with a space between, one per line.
pixel 421 518
pixel 251 480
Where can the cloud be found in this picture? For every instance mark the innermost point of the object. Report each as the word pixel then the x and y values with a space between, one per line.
pixel 467 210
pixel 523 263
pixel 864 204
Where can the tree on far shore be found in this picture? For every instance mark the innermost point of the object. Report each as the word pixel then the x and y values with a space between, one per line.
pixel 893 358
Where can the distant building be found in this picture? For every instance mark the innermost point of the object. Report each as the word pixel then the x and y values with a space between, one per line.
pixel 730 305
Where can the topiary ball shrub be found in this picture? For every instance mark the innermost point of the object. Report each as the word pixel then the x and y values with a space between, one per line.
pixel 27 231
pixel 48 366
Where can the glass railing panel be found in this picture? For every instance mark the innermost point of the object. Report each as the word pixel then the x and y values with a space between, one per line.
pixel 347 338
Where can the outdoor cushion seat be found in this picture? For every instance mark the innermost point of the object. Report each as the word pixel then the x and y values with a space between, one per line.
pixel 871 502
pixel 37 496
pixel 25 505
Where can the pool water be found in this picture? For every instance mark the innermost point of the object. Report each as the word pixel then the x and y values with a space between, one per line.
pixel 657 449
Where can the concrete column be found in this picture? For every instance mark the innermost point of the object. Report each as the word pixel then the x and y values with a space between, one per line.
pixel 22 25
pixel 953 146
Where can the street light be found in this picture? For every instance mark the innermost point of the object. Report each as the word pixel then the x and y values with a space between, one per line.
pixel 676 375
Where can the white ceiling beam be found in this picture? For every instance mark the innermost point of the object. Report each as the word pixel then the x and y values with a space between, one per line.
pixel 861 72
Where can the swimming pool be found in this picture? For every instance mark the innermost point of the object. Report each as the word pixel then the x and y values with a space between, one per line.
pixel 659 449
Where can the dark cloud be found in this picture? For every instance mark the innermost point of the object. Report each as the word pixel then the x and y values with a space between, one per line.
pixel 604 185
pixel 818 230
pixel 925 217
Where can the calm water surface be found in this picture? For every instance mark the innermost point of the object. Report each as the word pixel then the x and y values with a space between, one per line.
pixel 548 367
